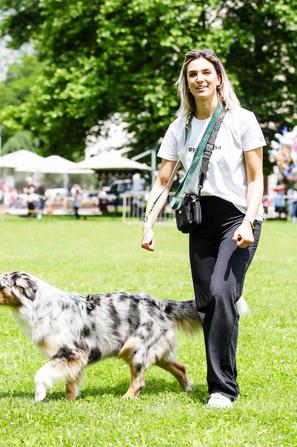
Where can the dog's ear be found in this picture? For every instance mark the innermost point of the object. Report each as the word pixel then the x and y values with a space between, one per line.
pixel 23 283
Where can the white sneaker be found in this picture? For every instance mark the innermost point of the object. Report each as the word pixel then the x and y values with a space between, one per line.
pixel 218 400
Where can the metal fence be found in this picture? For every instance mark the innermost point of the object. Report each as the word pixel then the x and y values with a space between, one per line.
pixel 134 206
pixel 276 206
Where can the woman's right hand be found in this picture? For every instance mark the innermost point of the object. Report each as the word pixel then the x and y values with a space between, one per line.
pixel 148 241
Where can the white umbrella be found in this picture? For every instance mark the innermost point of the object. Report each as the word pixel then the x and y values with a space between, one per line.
pixel 112 161
pixel 20 159
pixel 54 164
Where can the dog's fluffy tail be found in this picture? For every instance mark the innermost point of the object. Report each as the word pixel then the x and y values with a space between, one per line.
pixel 187 317
pixel 242 307
pixel 185 314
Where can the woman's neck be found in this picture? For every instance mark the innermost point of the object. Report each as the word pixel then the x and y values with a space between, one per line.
pixel 205 109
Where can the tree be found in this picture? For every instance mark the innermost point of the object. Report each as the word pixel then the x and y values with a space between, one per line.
pixel 263 53
pixel 105 56
pixel 14 92
pixel 21 139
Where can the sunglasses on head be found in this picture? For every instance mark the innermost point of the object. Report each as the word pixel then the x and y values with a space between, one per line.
pixel 204 52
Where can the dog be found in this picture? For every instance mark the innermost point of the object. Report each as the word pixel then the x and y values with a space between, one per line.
pixel 75 330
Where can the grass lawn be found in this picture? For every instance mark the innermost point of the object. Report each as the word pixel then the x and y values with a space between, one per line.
pixel 101 254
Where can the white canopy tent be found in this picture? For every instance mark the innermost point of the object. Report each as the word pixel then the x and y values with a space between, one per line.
pixel 27 161
pixel 19 159
pixel 54 164
pixel 112 161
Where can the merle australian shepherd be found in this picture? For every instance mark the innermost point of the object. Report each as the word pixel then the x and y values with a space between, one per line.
pixel 75 330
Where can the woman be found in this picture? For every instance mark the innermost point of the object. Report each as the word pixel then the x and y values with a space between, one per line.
pixel 223 246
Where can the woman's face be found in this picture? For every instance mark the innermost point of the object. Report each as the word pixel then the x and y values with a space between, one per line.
pixel 203 79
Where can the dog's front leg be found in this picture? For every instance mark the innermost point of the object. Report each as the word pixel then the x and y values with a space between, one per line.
pixel 66 365
pixel 54 370
pixel 44 379
pixel 136 383
pixel 72 389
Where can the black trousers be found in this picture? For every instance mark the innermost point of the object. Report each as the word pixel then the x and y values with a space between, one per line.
pixel 218 271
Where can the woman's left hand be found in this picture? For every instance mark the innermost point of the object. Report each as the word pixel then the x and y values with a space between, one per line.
pixel 243 235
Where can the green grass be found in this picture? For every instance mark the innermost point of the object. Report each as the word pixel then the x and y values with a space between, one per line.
pixel 100 255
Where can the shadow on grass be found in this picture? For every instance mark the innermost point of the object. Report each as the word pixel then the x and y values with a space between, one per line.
pixel 16 394
pixel 153 387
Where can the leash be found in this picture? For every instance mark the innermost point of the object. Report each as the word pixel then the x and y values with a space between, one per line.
pixel 79 298
pixel 89 305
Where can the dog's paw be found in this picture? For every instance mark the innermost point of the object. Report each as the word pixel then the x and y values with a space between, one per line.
pixel 129 396
pixel 189 385
pixel 72 395
pixel 40 393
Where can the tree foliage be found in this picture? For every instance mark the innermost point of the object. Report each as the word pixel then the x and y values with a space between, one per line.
pixel 21 139
pixel 99 57
pixel 14 92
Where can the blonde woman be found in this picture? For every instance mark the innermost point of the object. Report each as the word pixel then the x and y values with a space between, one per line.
pixel 222 247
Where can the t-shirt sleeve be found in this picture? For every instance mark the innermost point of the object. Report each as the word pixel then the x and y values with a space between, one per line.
pixel 252 136
pixel 168 148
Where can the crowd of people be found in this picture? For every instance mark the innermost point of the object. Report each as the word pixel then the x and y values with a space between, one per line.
pixel 284 156
pixel 33 196
pixel 39 200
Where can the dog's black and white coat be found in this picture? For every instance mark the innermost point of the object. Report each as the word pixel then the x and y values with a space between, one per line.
pixel 75 330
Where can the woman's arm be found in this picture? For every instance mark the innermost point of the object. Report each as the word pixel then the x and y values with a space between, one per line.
pixel 254 170
pixel 164 180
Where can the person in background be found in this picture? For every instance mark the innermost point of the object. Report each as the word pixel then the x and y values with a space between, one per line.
pixel 76 194
pixel 102 200
pixel 32 199
pixel 41 192
pixel 292 204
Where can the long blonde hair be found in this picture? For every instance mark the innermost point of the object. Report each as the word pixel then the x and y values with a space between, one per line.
pixel 225 90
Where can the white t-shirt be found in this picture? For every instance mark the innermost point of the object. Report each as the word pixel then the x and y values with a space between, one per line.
pixel 226 174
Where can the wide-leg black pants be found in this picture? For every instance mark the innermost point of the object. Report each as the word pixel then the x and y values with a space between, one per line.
pixel 218 270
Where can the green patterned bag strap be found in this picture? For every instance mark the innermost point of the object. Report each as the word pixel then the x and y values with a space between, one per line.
pixel 182 189
pixel 208 150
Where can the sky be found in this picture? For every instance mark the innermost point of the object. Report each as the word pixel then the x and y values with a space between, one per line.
pixel 9 56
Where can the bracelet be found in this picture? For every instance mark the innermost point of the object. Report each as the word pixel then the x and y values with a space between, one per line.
pixel 252 223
